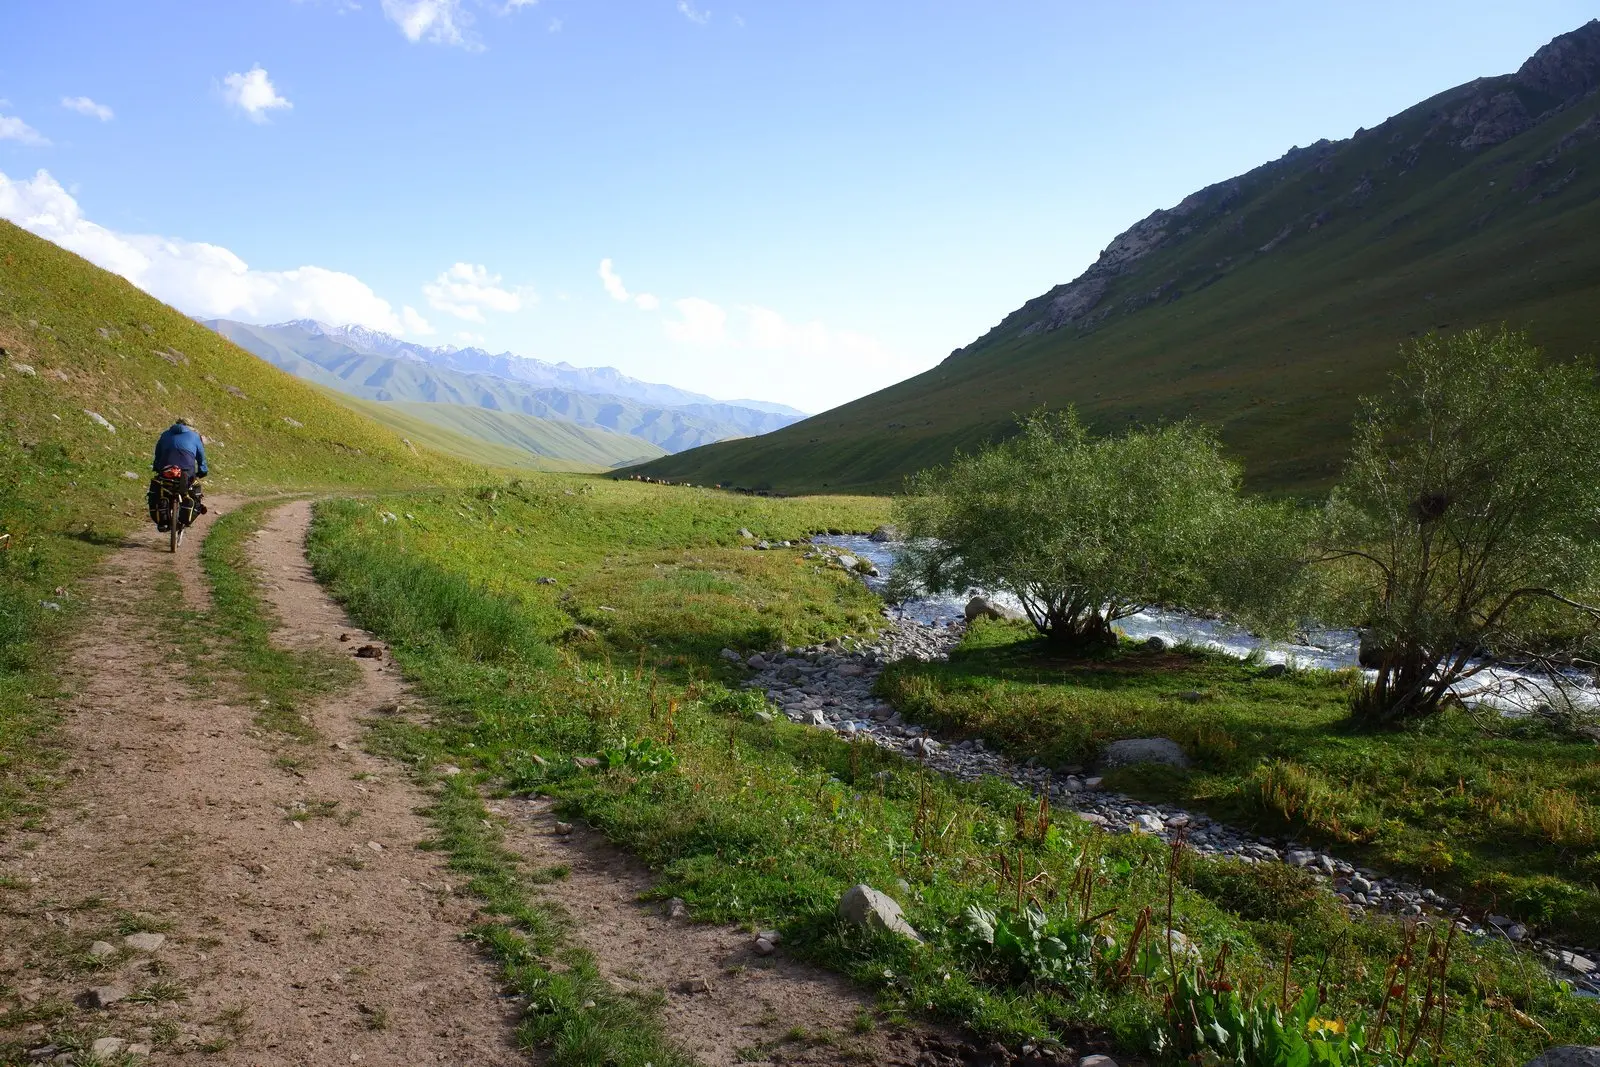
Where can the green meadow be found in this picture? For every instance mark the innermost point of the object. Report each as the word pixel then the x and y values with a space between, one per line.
pixel 606 691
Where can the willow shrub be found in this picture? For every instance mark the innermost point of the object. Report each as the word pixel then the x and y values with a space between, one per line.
pixel 1467 526
pixel 1086 530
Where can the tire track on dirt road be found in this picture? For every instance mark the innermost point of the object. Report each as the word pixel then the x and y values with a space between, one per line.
pixel 299 923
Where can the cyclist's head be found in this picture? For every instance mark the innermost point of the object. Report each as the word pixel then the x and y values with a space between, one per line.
pixel 183 420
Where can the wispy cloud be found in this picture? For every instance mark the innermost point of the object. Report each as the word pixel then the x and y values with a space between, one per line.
pixel 699 322
pixel 448 22
pixel 14 129
pixel 414 321
pixel 437 21
pixel 466 290
pixel 554 26
pixel 253 93
pixel 699 16
pixel 84 106
pixel 613 283
pixel 201 279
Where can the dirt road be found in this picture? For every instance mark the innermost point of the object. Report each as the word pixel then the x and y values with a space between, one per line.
pixel 298 922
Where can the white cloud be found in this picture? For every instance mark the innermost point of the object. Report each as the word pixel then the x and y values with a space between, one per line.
pixel 769 331
pixel 253 93
pixel 612 282
pixel 466 290
pixel 701 322
pixel 414 321
pixel 440 21
pixel 754 351
pixel 699 16
pixel 449 22
pixel 467 337
pixel 198 278
pixel 84 106
pixel 554 26
pixel 14 129
pixel 619 292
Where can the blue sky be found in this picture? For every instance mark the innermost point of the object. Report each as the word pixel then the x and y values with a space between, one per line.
pixel 800 202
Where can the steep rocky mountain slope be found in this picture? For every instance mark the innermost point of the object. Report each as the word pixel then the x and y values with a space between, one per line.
pixel 1267 304
pixel 374 366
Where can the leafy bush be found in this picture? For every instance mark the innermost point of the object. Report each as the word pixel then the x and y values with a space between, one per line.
pixel 1466 522
pixel 642 755
pixel 1085 531
pixel 1215 1025
pixel 1029 947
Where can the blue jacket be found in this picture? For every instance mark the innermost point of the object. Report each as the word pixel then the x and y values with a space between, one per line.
pixel 180 445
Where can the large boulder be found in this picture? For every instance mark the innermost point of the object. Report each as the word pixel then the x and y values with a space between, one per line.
pixel 981 607
pixel 1568 1056
pixel 1370 653
pixel 864 906
pixel 1144 750
pixel 884 534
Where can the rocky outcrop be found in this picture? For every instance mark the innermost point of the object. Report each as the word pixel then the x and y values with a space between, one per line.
pixel 1566 67
pixel 1492 120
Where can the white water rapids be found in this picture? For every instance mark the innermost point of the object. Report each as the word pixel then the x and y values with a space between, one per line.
pixel 1509 690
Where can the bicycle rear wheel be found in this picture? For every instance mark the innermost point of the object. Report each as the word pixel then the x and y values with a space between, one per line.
pixel 174 531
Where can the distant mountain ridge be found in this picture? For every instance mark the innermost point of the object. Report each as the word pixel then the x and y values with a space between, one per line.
pixel 1267 304
pixel 600 381
pixel 372 365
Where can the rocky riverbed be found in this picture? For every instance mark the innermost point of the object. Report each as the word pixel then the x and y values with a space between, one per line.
pixel 831 687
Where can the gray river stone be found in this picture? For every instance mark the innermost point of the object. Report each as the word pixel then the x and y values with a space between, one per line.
pixel 1568 1056
pixel 865 906
pixel 1144 750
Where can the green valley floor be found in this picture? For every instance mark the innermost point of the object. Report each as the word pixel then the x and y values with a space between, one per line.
pixel 463 775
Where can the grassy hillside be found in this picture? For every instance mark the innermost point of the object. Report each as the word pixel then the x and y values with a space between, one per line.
pixel 1265 305
pixel 505 438
pixel 79 345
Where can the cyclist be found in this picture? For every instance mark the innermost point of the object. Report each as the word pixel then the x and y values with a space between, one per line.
pixel 180 457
